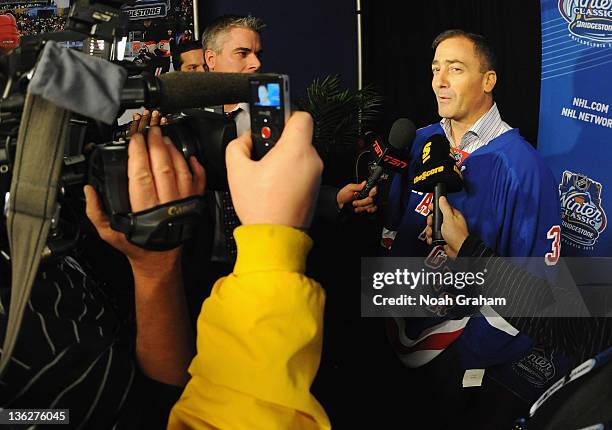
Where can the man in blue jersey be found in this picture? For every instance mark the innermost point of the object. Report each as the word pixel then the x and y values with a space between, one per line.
pixel 509 200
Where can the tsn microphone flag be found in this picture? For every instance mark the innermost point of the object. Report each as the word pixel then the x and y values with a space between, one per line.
pixel 575 132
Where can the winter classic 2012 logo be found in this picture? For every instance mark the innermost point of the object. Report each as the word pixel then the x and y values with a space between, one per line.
pixel 588 19
pixel 583 217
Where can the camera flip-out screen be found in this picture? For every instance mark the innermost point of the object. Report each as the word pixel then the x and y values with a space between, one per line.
pixel 268 95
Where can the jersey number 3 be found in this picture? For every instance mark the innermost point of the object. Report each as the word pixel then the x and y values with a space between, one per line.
pixel 554 233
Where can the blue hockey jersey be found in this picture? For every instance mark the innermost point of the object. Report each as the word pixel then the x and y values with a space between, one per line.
pixel 510 201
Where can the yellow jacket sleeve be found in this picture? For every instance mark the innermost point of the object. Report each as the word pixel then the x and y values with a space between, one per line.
pixel 259 341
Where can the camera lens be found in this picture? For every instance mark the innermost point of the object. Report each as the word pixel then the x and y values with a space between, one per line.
pixel 205 135
pixel 183 135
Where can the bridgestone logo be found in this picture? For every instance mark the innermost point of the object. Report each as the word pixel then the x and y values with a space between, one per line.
pixel 141 13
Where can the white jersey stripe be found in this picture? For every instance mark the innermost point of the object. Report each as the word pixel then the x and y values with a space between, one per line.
pixel 444 327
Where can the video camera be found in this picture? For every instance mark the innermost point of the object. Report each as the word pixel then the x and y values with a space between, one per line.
pixel 96 153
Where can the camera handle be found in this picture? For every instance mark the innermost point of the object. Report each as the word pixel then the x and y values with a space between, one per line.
pixel 163 227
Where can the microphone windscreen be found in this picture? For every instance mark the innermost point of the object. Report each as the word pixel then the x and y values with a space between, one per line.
pixel 437 166
pixel 181 90
pixel 437 149
pixel 402 134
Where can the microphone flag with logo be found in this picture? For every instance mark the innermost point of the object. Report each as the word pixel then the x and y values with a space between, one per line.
pixel 389 157
pixel 437 174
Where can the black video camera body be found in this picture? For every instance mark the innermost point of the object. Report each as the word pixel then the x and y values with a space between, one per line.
pixel 196 132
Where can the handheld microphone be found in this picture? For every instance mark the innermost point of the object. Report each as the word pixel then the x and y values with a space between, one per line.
pixel 439 174
pixel 389 157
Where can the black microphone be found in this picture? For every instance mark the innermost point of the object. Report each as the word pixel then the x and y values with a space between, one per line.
pixel 182 90
pixel 437 173
pixel 175 91
pixel 389 157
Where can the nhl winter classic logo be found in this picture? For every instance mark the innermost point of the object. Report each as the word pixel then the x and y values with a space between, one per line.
pixel 537 367
pixel 583 217
pixel 588 20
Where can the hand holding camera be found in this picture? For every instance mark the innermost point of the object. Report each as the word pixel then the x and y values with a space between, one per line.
pixel 147 119
pixel 157 174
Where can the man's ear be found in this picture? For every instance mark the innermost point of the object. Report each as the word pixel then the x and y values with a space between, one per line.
pixel 489 81
pixel 209 59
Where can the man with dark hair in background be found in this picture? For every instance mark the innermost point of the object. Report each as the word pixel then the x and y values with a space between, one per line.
pixel 510 201
pixel 188 57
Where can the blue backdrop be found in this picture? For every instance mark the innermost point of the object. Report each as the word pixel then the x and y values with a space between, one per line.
pixel 575 132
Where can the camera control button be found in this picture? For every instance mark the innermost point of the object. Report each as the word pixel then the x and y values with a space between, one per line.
pixel 266 132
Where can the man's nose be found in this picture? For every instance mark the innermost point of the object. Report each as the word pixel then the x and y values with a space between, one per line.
pixel 254 64
pixel 440 79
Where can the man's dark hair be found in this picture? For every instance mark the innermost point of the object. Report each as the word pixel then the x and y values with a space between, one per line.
pixel 488 59
pixel 181 49
pixel 211 38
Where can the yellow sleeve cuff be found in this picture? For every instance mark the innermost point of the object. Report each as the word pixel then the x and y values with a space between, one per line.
pixel 267 247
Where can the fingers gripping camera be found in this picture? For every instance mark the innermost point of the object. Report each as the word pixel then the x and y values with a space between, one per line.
pixel 168 218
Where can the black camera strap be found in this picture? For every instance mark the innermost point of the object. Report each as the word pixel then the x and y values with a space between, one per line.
pixel 32 205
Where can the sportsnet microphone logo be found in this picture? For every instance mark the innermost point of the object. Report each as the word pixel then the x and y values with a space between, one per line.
pixel 588 19
pixel 583 217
